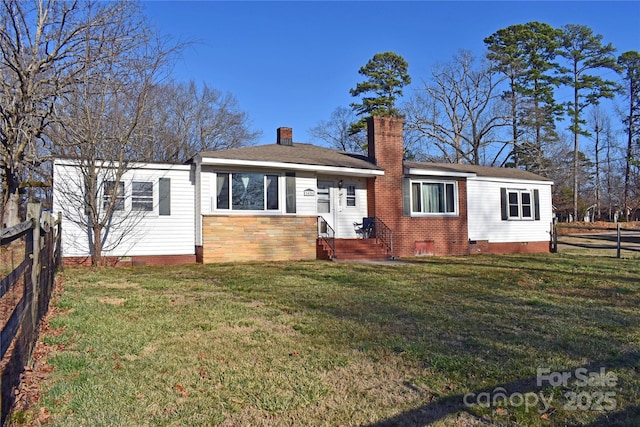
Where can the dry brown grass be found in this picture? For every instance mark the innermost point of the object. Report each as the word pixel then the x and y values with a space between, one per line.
pixel 327 344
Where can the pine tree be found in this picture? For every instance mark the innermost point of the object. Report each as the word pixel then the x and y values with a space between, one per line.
pixel 586 55
pixel 387 74
pixel 524 53
pixel 630 67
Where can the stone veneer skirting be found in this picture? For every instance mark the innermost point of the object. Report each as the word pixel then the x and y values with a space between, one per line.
pixel 230 238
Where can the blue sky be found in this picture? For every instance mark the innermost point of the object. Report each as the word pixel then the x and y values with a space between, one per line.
pixel 292 63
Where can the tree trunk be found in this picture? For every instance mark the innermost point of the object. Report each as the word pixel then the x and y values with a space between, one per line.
pixel 514 127
pixel 576 149
pixel 11 211
pixel 11 214
pixel 96 255
pixel 597 154
pixel 627 170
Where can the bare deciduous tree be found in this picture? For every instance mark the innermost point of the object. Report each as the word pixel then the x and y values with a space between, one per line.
pixel 187 119
pixel 39 45
pixel 336 131
pixel 458 111
pixel 99 121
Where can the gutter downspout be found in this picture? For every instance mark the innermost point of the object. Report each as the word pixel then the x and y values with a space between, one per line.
pixel 198 201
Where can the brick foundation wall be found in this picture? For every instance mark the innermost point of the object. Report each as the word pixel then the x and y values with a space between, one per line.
pixel 230 238
pixel 477 247
pixel 518 247
pixel 132 260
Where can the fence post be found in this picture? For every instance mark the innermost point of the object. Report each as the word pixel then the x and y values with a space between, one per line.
pixel 554 235
pixel 33 214
pixel 58 243
pixel 618 248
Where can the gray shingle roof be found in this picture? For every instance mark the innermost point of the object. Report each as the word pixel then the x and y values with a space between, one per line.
pixel 308 154
pixel 482 171
pixel 296 153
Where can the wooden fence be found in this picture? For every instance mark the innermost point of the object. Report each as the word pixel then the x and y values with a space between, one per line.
pixel 615 237
pixel 25 293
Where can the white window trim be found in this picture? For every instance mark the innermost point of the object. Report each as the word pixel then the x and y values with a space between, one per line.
pixel 520 217
pixel 354 197
pixel 281 196
pixel 456 208
pixel 127 197
pixel 150 198
pixel 106 198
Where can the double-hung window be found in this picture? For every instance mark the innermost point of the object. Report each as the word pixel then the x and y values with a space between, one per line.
pixel 520 204
pixel 115 193
pixel 351 196
pixel 247 191
pixel 428 197
pixel 141 196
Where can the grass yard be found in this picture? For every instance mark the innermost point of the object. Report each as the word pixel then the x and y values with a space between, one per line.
pixel 510 340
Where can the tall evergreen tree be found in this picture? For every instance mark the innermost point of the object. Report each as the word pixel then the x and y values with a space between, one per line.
pixel 524 53
pixel 630 67
pixel 586 55
pixel 387 73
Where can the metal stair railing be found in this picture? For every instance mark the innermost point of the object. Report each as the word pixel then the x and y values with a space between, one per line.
pixel 384 234
pixel 327 235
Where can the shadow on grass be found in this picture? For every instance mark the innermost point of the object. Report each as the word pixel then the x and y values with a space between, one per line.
pixel 495 320
pixel 540 264
pixel 441 408
pixel 630 416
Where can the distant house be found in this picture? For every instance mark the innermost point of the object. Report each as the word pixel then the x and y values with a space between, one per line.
pixel 291 200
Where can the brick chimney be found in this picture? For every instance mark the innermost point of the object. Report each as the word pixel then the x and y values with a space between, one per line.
pixel 386 150
pixel 385 143
pixel 285 136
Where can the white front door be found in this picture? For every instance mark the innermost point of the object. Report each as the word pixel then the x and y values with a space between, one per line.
pixel 325 201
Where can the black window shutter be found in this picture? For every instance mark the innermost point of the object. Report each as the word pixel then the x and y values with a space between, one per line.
pixel 164 193
pixel 503 204
pixel 536 204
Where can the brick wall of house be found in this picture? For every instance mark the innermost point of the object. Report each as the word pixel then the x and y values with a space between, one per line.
pixel 229 238
pixel 128 261
pixel 411 235
pixel 449 235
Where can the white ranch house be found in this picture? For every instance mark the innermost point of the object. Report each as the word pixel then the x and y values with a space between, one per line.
pixel 290 200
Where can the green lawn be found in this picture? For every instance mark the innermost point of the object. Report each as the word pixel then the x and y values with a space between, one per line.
pixel 320 343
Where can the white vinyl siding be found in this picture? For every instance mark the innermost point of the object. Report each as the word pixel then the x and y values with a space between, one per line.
pixel 149 232
pixel 306 189
pixel 346 215
pixel 485 211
